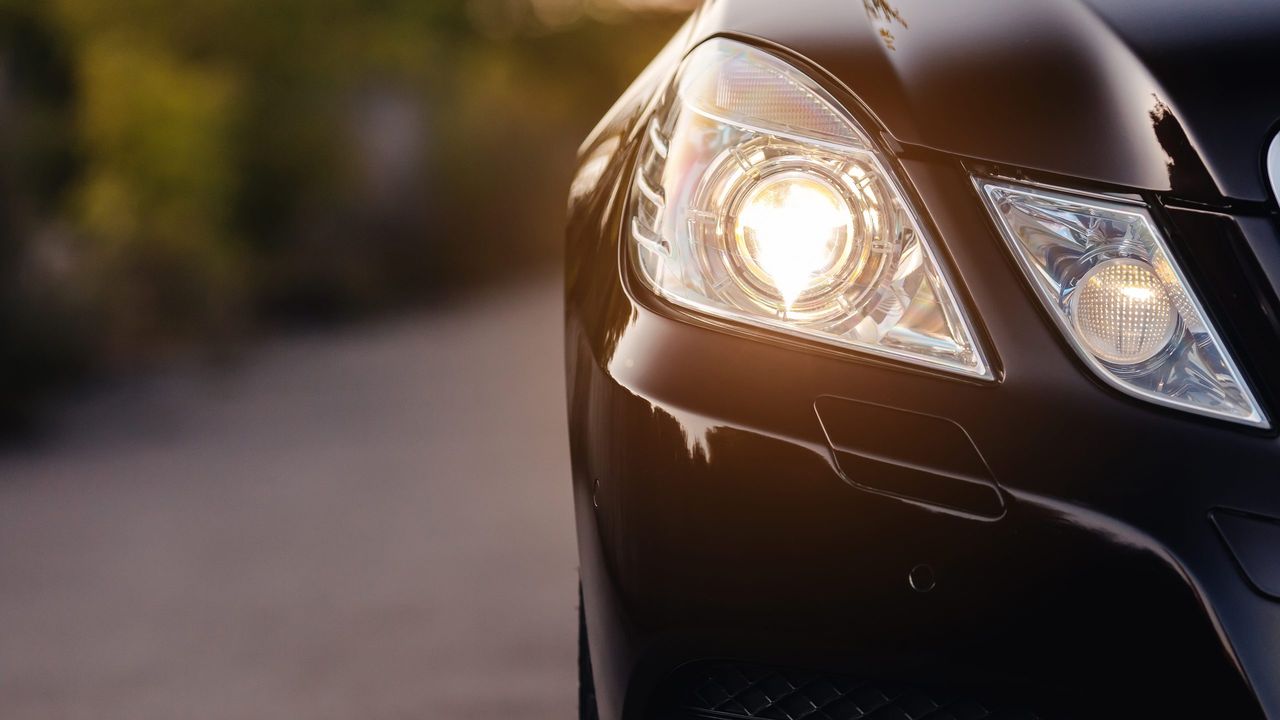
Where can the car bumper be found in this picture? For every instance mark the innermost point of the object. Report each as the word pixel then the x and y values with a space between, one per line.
pixel 715 522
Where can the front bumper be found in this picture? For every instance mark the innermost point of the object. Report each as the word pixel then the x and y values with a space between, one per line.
pixel 714 522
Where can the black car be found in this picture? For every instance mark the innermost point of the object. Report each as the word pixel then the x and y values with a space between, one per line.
pixel 923 361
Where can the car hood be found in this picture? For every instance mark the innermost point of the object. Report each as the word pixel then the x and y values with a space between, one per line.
pixel 1181 97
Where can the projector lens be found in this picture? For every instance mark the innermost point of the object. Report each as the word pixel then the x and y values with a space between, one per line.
pixel 1123 313
pixel 793 232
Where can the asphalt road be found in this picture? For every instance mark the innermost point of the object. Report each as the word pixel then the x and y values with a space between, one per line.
pixel 371 522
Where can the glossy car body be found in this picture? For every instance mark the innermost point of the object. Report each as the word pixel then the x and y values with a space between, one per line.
pixel 1129 566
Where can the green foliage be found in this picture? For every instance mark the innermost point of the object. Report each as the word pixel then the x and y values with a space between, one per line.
pixel 172 171
pixel 156 189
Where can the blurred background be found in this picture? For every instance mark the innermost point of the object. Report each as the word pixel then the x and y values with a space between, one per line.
pixel 281 406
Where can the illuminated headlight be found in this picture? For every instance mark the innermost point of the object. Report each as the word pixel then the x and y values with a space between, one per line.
pixel 758 199
pixel 1106 275
pixel 1122 312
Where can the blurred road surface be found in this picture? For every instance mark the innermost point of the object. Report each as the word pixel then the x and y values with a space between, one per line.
pixel 372 522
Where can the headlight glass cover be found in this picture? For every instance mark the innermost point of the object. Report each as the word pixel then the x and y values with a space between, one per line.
pixel 1107 277
pixel 757 198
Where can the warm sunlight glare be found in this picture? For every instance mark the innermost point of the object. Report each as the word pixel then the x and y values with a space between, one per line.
pixel 793 227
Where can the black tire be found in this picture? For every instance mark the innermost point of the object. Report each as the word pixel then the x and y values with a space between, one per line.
pixel 587 709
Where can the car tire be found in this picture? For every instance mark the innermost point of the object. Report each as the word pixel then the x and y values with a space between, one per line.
pixel 587 709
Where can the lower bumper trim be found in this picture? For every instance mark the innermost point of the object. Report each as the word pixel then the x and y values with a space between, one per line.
pixel 733 691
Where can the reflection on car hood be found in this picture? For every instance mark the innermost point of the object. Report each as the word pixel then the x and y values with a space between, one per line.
pixel 1149 94
pixel 1044 79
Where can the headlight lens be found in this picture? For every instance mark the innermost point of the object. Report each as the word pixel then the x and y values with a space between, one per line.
pixel 1122 312
pixel 1107 276
pixel 758 199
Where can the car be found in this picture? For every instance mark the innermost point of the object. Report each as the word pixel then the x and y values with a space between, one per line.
pixel 923 361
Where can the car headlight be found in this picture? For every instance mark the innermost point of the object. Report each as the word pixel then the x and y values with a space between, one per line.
pixel 758 199
pixel 1107 277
